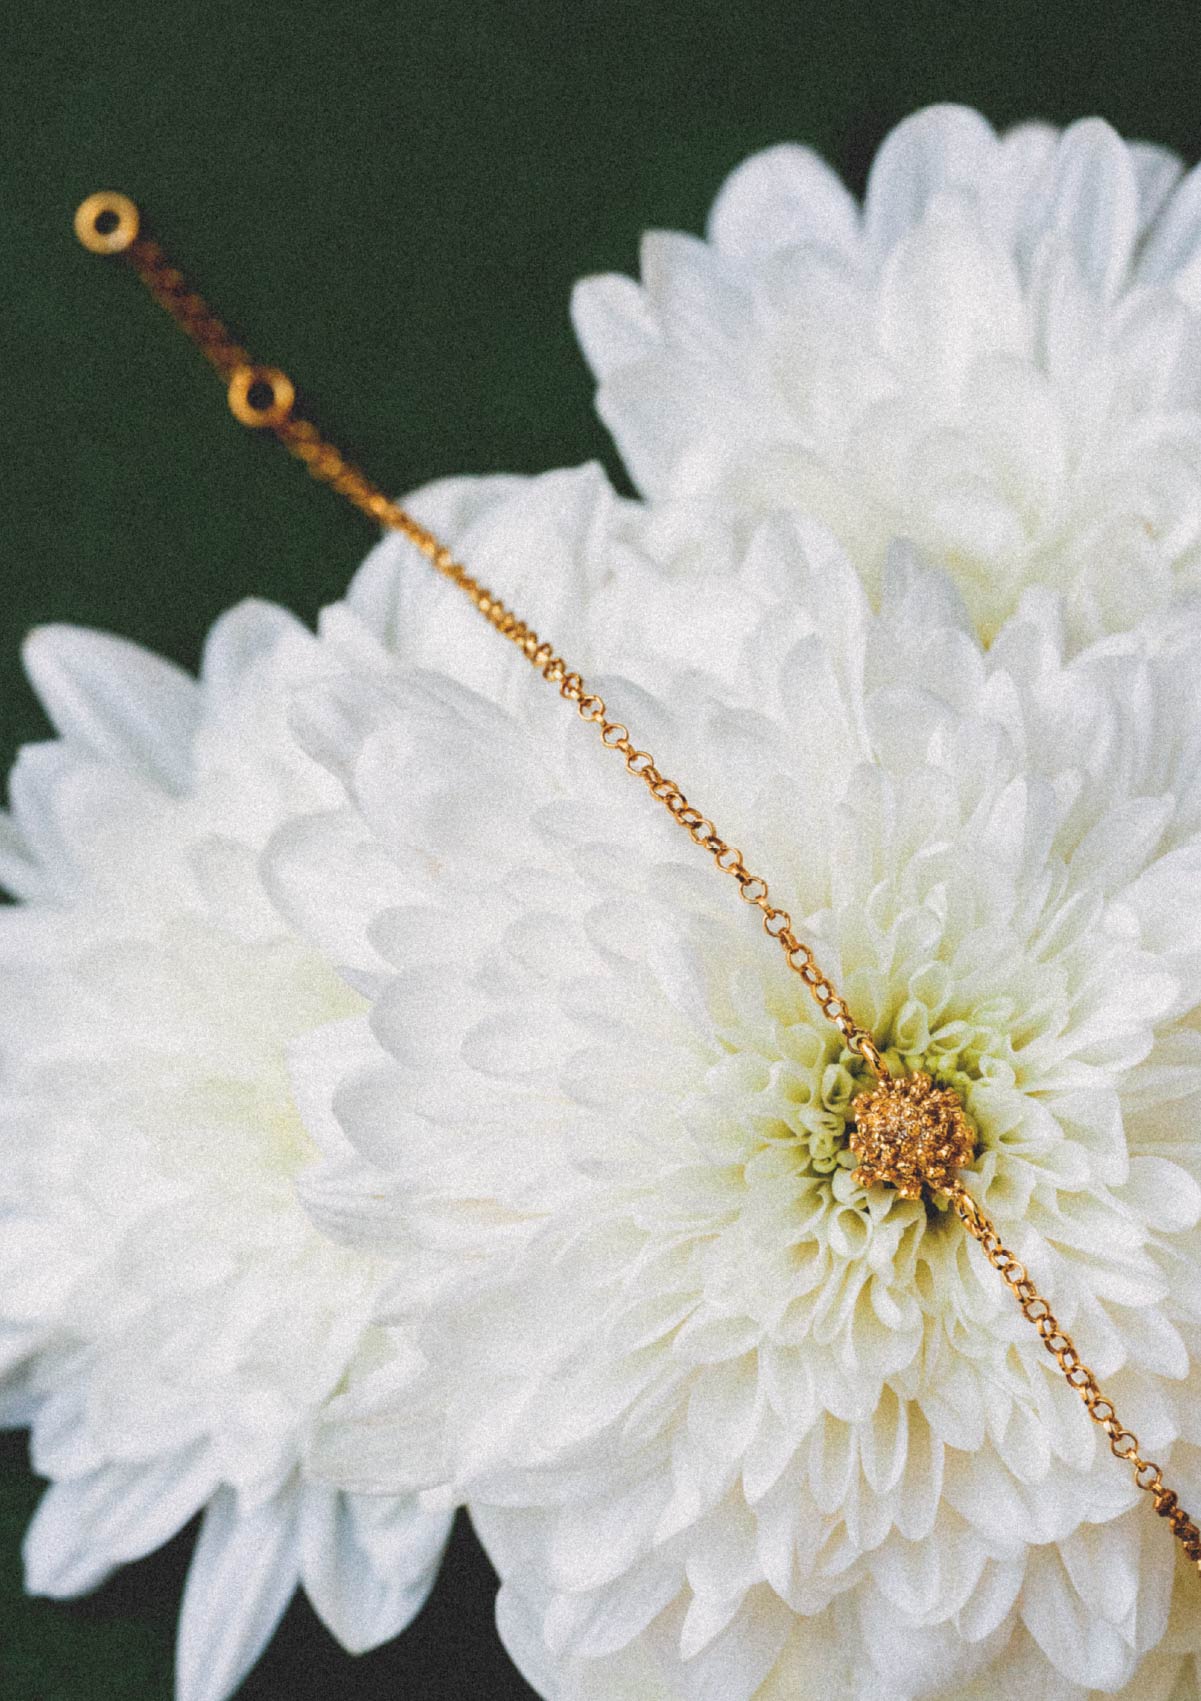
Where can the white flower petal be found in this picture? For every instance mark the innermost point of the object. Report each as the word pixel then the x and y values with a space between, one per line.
pixel 603 1621
pixel 1092 200
pixel 19 874
pixel 115 700
pixel 240 639
pixel 85 1527
pixel 1081 1648
pixel 519 1628
pixel 612 322
pixel 945 297
pixel 593 1543
pixel 1171 254
pixel 940 146
pixel 991 1601
pixel 243 1574
pixel 1157 171
pixel 732 1667
pixel 336 913
pixel 367 1566
pixel 389 589
pixel 777 199
pixel 905 1652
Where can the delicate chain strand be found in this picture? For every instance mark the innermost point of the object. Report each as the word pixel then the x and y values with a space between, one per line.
pixel 263 397
pixel 190 311
pixel 1123 1443
pixel 327 464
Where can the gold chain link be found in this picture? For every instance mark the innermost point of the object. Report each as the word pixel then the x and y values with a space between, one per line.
pixel 263 397
pixel 1123 1443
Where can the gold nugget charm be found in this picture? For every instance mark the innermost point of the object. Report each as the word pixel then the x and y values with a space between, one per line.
pixel 911 1134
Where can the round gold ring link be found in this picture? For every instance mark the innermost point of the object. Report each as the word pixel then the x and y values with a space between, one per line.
pixel 107 223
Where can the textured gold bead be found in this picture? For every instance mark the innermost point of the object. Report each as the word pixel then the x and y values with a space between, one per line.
pixel 911 1134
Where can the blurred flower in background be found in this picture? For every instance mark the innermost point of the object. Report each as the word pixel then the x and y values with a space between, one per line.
pixel 170 1320
pixel 998 357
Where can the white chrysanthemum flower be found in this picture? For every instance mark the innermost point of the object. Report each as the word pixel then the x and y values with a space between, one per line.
pixel 729 1426
pixel 170 1321
pixel 996 357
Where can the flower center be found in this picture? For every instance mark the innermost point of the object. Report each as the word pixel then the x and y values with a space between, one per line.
pixel 799 1090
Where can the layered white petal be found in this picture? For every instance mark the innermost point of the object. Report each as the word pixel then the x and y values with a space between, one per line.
pixel 86 1526
pixel 367 1563
pixel 243 1574
pixel 114 699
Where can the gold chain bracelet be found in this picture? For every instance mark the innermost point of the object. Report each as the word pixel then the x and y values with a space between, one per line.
pixel 909 1133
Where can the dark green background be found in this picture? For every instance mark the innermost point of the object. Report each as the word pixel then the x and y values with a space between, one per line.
pixel 392 201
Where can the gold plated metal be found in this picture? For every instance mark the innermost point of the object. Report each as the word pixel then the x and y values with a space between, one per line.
pixel 107 223
pixel 911 1134
pixel 260 396
pixel 908 1133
